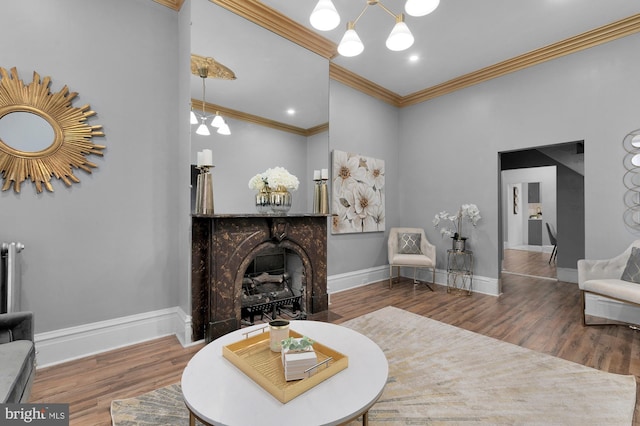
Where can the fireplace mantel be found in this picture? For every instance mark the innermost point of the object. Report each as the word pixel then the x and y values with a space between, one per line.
pixel 223 245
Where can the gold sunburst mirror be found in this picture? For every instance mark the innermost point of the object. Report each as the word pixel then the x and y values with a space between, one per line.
pixel 42 134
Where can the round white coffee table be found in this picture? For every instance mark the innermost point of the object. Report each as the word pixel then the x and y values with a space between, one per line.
pixel 218 393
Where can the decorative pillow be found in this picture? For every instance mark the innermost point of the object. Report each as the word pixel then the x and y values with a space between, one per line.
pixel 409 243
pixel 632 270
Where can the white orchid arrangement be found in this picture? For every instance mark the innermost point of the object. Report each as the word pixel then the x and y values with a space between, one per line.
pixel 468 211
pixel 273 178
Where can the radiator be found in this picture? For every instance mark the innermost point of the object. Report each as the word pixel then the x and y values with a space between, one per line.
pixel 10 282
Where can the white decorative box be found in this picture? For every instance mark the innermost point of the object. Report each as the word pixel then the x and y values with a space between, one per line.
pixel 298 364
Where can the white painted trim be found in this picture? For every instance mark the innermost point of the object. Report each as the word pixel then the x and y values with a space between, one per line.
pixel 567 275
pixel 354 279
pixel 55 347
pixel 603 307
pixel 58 346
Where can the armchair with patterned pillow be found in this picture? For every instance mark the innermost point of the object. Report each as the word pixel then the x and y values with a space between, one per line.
pixel 617 278
pixel 409 247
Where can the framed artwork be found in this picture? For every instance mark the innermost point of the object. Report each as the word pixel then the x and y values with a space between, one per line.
pixel 358 194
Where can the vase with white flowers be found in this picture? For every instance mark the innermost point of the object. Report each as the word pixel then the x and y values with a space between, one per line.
pixel 455 222
pixel 274 186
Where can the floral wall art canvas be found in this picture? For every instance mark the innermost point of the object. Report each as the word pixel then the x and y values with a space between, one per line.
pixel 358 194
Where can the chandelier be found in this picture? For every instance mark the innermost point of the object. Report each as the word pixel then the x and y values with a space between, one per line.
pixel 204 68
pixel 325 17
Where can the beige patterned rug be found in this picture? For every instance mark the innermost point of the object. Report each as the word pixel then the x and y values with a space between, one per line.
pixel 441 374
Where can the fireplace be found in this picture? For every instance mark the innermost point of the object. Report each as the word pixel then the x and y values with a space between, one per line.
pixel 224 247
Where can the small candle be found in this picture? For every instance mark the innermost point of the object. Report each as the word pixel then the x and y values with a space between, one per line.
pixel 200 159
pixel 278 331
pixel 316 175
pixel 207 157
pixel 325 173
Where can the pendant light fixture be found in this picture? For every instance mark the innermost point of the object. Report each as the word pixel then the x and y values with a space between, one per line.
pixel 203 130
pixel 325 17
pixel 205 68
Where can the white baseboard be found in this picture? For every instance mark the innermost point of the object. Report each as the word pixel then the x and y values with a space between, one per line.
pixel 612 309
pixel 340 282
pixel 567 275
pixel 55 347
pixel 349 280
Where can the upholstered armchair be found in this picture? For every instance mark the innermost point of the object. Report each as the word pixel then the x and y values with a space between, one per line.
pixel 409 247
pixel 617 278
pixel 17 357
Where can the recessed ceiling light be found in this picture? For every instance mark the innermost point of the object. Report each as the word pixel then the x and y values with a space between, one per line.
pixel 414 58
pixel 291 111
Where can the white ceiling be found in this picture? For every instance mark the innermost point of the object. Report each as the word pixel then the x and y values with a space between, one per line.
pixel 459 37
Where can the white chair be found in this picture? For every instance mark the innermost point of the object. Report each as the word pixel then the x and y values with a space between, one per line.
pixel 409 255
pixel 609 278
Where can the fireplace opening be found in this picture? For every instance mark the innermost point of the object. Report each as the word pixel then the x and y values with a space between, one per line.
pixel 273 286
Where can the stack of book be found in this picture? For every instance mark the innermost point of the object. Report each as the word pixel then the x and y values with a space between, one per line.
pixel 297 362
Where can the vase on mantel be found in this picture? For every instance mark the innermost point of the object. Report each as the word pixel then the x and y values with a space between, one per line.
pixel 459 243
pixel 263 200
pixel 280 199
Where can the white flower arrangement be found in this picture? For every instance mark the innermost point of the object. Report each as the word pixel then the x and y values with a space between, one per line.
pixel 273 178
pixel 468 211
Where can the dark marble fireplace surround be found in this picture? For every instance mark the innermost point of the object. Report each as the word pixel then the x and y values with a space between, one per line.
pixel 224 245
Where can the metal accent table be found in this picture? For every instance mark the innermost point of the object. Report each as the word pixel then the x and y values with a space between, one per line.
pixel 459 271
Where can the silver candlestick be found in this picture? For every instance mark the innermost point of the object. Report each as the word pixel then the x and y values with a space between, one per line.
pixel 204 191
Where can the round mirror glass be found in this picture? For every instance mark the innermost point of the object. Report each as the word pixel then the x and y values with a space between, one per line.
pixel 24 131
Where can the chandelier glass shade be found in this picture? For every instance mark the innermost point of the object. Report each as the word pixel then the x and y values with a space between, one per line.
pixel 325 17
pixel 420 7
pixel 400 37
pixel 350 45
pixel 202 129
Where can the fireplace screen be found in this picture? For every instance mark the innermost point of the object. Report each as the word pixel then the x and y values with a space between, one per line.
pixel 273 287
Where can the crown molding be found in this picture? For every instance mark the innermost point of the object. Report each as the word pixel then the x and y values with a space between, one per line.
pixel 353 80
pixel 171 4
pixel 274 21
pixel 596 37
pixel 255 119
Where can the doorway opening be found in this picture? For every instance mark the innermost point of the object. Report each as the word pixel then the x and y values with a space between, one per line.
pixel 542 211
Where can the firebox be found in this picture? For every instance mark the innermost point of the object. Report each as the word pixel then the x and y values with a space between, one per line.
pixel 225 247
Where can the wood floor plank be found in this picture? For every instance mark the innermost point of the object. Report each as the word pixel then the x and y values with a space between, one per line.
pixel 537 313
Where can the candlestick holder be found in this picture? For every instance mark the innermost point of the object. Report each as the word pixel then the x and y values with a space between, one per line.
pixel 316 195
pixel 204 191
pixel 324 197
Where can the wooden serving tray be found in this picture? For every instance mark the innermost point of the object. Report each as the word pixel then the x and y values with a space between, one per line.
pixel 254 357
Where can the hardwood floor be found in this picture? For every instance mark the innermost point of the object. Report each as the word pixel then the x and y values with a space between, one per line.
pixel 525 262
pixel 539 314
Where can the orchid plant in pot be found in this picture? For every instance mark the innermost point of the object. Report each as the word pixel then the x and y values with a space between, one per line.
pixel 455 221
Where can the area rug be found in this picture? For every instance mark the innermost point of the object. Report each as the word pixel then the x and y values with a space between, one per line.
pixel 441 374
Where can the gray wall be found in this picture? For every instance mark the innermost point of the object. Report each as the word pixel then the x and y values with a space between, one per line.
pixel 108 246
pixel 449 145
pixel 117 243
pixel 249 150
pixel 366 126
